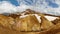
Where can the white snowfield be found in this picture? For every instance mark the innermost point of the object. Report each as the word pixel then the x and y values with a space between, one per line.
pixel 50 18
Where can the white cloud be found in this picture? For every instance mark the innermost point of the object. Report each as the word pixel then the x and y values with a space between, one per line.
pixel 7 7
pixel 23 8
pixel 42 7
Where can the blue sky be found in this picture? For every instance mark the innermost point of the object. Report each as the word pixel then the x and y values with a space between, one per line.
pixel 14 2
pixel 44 6
pixel 50 3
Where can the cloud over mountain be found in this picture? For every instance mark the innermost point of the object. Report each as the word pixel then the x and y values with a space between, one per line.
pixel 43 6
